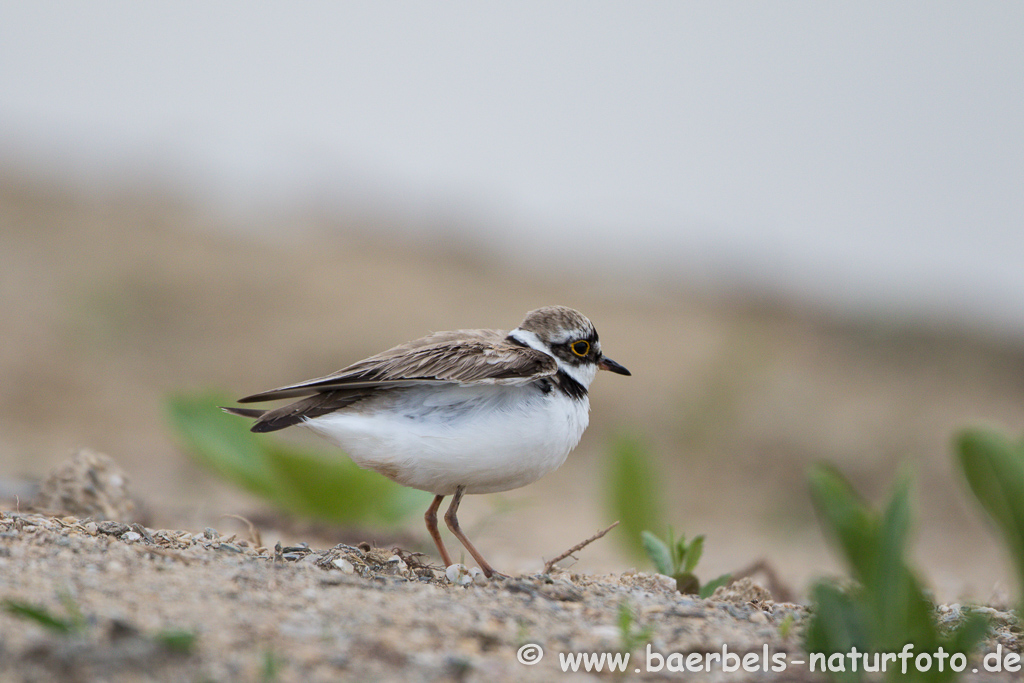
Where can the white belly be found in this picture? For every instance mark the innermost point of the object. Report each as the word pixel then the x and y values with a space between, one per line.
pixel 486 438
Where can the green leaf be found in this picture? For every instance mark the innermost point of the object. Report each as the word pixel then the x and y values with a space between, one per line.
pixel 970 633
pixel 693 553
pixel 846 519
pixel 75 616
pixel 888 607
pixel 630 638
pixel 332 487
pixel 677 546
pixel 625 619
pixel 221 442
pixel 837 623
pixel 994 469
pixel 633 491
pixel 41 616
pixel 176 640
pixel 271 667
pixel 708 589
pixel 658 552
pixel 898 604
pixel 322 484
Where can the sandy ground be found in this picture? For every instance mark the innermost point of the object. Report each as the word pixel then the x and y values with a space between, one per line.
pixel 130 603
pixel 343 614
pixel 112 303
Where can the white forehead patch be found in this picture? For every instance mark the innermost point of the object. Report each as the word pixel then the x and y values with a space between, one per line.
pixel 563 336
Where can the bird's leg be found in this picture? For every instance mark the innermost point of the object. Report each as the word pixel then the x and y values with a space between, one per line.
pixel 430 516
pixel 453 524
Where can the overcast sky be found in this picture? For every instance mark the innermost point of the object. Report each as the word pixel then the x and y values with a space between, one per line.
pixel 861 153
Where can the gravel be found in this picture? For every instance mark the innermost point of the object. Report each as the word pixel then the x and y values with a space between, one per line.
pixel 86 600
pixel 161 604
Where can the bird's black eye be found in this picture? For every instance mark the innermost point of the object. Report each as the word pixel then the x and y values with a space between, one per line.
pixel 581 348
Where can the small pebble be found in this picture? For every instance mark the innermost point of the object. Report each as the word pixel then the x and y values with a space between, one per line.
pixel 396 565
pixel 344 565
pixel 607 633
pixel 458 574
pixel 91 528
pixel 131 536
pixel 666 582
pixel 142 531
pixel 758 617
pixel 478 577
pixel 112 528
pixel 331 579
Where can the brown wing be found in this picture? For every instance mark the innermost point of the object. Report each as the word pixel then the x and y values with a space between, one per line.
pixel 460 357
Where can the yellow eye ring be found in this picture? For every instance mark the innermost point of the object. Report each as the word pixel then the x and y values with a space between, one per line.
pixel 581 348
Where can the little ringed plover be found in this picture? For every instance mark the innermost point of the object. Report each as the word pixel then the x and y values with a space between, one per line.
pixel 469 411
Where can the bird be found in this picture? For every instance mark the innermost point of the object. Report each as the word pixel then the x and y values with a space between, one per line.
pixel 455 413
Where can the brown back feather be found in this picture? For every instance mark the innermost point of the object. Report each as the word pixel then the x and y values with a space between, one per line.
pixel 462 357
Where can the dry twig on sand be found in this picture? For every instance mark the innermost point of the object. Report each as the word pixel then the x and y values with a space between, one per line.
pixel 550 564
pixel 254 533
pixel 779 589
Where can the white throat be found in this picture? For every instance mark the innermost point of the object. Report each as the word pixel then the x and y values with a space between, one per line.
pixel 584 374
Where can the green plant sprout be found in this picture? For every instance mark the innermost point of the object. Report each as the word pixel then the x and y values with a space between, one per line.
pixel 65 626
pixel 678 559
pixel 630 637
pixel 993 466
pixel 176 640
pixel 634 498
pixel 786 626
pixel 76 624
pixel 320 484
pixel 633 491
pixel 885 608
pixel 272 665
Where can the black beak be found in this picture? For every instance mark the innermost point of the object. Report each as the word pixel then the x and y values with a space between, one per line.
pixel 608 364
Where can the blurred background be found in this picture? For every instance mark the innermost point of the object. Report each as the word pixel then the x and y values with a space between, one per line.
pixel 799 225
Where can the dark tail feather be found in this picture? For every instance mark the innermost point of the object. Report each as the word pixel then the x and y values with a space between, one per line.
pixel 264 422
